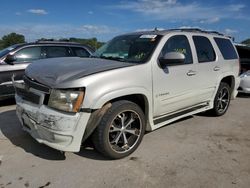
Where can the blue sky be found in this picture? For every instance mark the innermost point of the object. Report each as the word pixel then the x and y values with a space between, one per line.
pixel 105 19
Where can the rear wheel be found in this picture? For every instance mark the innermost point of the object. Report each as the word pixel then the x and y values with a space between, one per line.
pixel 222 100
pixel 120 131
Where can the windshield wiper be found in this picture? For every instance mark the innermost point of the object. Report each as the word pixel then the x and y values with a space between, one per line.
pixel 93 56
pixel 112 58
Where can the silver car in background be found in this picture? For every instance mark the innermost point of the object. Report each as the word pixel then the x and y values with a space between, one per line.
pixel 244 53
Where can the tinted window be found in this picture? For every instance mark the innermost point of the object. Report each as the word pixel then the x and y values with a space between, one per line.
pixel 80 52
pixel 178 43
pixel 226 48
pixel 57 51
pixel 28 54
pixel 204 49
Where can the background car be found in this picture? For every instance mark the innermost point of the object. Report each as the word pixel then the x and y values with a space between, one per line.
pixel 14 59
pixel 244 53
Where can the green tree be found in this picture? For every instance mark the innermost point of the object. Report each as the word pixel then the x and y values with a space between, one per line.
pixel 247 41
pixel 92 42
pixel 1 44
pixel 10 39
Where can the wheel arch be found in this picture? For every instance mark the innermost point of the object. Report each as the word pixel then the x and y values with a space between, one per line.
pixel 142 99
pixel 230 80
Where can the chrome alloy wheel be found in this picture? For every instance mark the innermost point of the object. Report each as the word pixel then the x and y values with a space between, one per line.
pixel 125 131
pixel 223 100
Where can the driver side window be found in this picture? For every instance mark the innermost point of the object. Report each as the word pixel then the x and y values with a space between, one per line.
pixel 28 54
pixel 178 43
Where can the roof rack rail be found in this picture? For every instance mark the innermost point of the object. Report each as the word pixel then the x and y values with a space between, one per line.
pixel 56 42
pixel 214 32
pixel 198 30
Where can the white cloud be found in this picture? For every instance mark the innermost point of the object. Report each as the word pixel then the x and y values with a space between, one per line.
pixel 175 10
pixel 38 11
pixel 236 8
pixel 35 31
pixel 190 27
pixel 96 29
pixel 148 29
pixel 230 31
pixel 210 21
pixel 90 12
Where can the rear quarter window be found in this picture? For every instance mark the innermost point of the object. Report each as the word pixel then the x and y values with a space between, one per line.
pixel 80 52
pixel 226 48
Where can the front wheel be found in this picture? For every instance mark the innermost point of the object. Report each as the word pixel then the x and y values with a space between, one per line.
pixel 120 131
pixel 222 100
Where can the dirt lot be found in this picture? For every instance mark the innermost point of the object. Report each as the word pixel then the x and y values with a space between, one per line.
pixel 199 151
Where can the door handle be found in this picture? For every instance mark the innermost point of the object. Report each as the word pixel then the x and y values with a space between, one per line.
pixel 191 73
pixel 216 68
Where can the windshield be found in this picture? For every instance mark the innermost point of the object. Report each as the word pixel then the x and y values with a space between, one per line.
pixel 129 48
pixel 7 50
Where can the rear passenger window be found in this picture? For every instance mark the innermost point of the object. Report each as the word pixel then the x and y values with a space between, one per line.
pixel 178 43
pixel 80 52
pixel 57 51
pixel 204 49
pixel 226 48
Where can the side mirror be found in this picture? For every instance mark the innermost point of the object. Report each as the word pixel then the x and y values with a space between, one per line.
pixel 172 58
pixel 10 59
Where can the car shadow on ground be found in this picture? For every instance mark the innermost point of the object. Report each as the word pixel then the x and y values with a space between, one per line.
pixel 6 102
pixel 88 151
pixel 11 129
pixel 243 95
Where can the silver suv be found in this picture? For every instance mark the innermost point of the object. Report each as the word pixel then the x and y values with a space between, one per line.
pixel 137 82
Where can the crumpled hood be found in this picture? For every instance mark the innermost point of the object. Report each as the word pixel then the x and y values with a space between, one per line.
pixel 54 71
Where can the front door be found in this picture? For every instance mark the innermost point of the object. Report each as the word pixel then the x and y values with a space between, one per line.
pixel 174 87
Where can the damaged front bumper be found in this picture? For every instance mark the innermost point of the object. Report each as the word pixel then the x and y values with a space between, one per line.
pixel 59 130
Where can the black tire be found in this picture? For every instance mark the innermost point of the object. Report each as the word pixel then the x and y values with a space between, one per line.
pixel 222 100
pixel 111 134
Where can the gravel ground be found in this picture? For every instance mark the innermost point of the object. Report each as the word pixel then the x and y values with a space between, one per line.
pixel 198 151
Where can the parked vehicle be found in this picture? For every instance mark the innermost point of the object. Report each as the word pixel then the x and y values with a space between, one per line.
pixel 244 53
pixel 136 82
pixel 14 59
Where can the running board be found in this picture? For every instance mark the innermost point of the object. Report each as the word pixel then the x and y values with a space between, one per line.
pixel 169 116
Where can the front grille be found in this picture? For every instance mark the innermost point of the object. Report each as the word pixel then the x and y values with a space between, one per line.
pixel 27 95
pixel 33 84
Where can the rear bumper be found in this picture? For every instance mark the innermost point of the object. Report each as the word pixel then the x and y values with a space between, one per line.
pixel 59 130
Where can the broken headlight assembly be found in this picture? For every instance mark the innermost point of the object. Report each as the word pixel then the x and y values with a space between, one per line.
pixel 66 100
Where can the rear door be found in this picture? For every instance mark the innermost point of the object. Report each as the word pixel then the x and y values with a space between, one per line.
pixel 208 67
pixel 57 51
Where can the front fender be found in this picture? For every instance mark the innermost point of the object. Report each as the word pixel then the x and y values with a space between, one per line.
pixel 105 98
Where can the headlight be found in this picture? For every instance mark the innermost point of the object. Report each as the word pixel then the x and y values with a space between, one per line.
pixel 66 100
